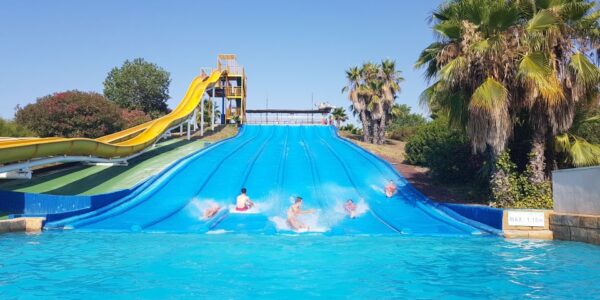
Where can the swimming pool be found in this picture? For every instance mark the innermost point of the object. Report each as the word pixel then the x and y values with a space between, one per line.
pixel 101 265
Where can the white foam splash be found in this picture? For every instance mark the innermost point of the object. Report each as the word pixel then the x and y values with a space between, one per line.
pixel 218 231
pixel 311 221
pixel 197 207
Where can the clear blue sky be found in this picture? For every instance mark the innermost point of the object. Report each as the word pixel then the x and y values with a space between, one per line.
pixel 290 48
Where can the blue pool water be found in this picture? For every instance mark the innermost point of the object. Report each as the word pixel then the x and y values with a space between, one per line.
pixel 275 163
pixel 103 265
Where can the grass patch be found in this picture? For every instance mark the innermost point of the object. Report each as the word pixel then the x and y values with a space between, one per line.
pixel 78 179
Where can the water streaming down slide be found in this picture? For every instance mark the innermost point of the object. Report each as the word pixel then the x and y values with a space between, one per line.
pixel 275 163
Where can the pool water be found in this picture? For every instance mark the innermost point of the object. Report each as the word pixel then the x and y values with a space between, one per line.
pixel 101 265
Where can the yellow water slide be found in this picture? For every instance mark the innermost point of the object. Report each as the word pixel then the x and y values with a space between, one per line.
pixel 117 145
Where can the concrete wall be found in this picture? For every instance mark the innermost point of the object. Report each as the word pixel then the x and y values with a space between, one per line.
pixel 577 191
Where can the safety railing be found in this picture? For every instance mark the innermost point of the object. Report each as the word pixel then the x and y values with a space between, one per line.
pixel 233 91
pixel 287 119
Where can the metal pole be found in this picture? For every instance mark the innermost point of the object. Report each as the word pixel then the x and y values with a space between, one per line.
pixel 312 105
pixel 180 129
pixel 195 119
pixel 188 129
pixel 212 116
pixel 202 117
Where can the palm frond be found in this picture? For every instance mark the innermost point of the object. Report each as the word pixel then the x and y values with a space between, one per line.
pixel 541 21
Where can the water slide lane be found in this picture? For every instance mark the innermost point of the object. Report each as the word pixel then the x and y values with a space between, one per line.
pixel 336 186
pixel 263 182
pixel 407 210
pixel 224 186
pixel 168 192
pixel 295 178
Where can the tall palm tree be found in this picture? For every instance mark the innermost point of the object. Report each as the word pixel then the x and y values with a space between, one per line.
pixel 208 105
pixel 372 89
pixel 339 115
pixel 497 60
pixel 391 79
pixel 353 75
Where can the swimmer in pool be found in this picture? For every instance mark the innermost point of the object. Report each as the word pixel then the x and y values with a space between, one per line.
pixel 350 208
pixel 294 211
pixel 390 189
pixel 243 202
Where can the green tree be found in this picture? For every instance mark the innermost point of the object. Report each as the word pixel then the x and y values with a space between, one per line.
pixel 208 105
pixel 339 115
pixel 500 64
pixel 12 129
pixel 71 114
pixel 403 123
pixel 139 85
pixel 372 89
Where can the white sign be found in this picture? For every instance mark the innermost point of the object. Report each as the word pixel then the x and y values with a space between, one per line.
pixel 526 218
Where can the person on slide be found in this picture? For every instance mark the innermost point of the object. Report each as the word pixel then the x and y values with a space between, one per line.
pixel 243 202
pixel 294 211
pixel 350 208
pixel 211 211
pixel 390 189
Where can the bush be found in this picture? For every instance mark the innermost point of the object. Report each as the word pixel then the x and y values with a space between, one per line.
pixel 12 129
pixel 445 151
pixel 352 129
pixel 511 189
pixel 400 133
pixel 134 117
pixel 403 123
pixel 71 114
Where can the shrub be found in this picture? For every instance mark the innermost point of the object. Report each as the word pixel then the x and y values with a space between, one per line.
pixel 352 129
pixel 403 123
pixel 12 129
pixel 445 151
pixel 71 114
pixel 134 117
pixel 511 189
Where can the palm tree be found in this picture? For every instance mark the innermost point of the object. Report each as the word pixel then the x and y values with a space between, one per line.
pixel 497 60
pixel 391 79
pixel 372 90
pixel 339 115
pixel 353 75
pixel 208 105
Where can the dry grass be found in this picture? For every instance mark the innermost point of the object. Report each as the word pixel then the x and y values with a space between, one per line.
pixel 393 152
pixel 392 149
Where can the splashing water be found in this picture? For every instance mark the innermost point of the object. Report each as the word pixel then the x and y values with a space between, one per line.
pixel 197 207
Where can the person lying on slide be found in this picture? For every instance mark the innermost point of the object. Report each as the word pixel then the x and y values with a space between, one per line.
pixel 243 202
pixel 211 211
pixel 294 211
pixel 350 208
pixel 390 189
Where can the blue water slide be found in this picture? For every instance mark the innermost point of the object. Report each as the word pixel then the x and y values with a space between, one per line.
pixel 275 163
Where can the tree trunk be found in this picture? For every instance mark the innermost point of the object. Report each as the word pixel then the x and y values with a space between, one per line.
pixel 537 165
pixel 366 129
pixel 375 132
pixel 382 126
pixel 338 123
